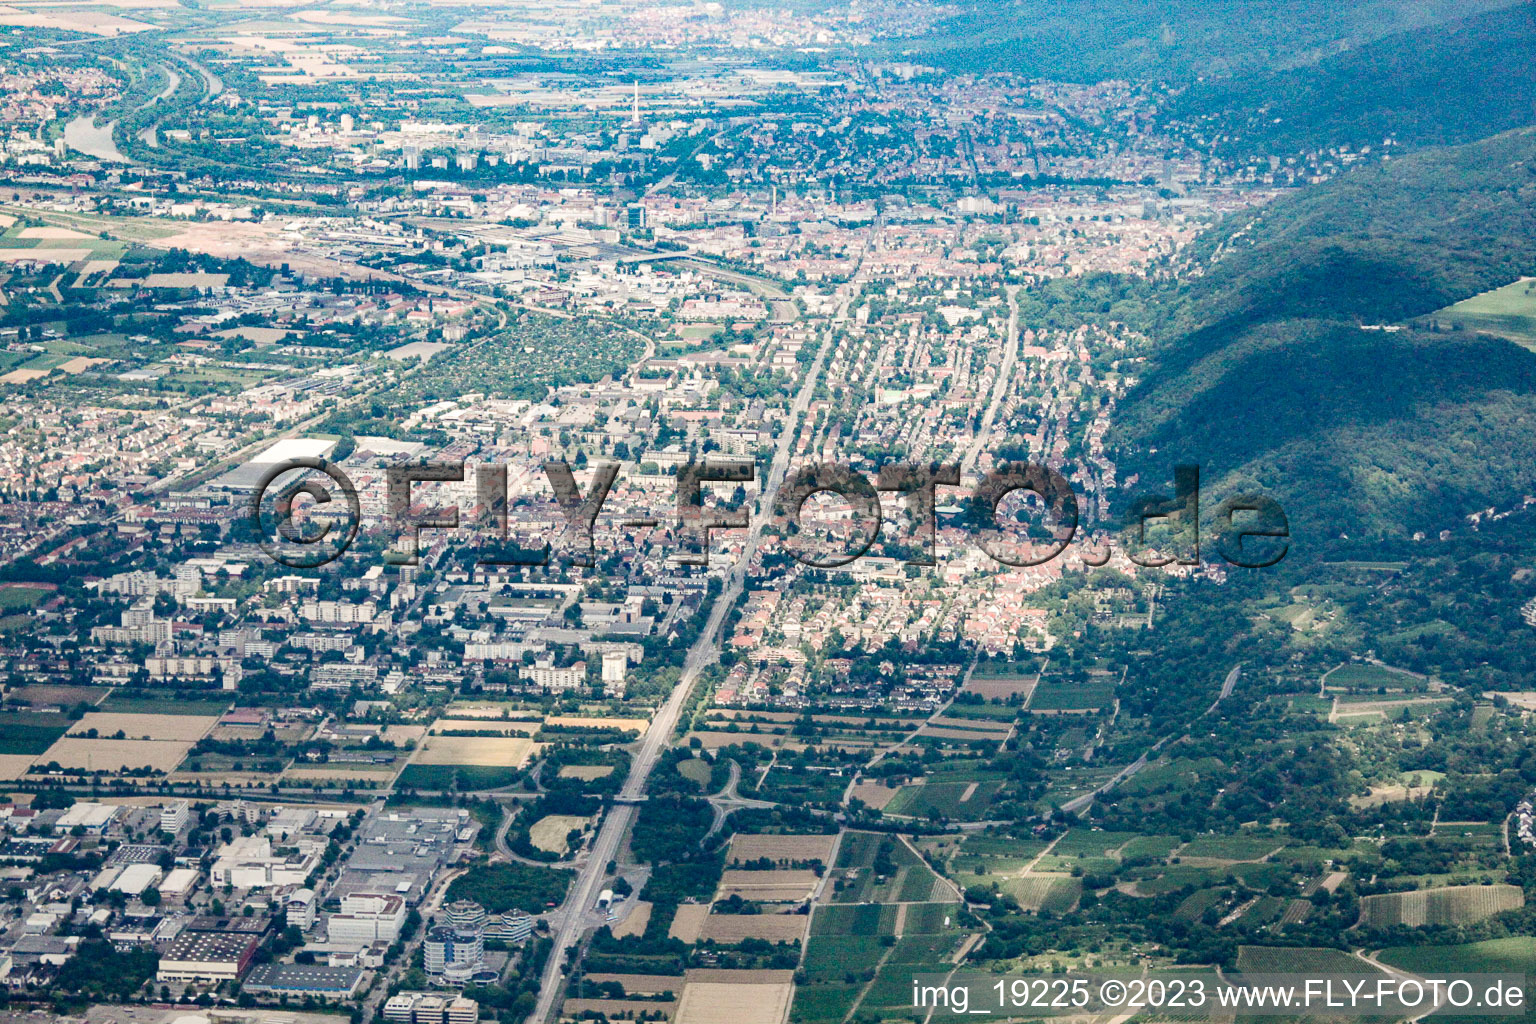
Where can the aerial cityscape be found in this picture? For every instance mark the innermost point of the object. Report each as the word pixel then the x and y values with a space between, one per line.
pixel 764 511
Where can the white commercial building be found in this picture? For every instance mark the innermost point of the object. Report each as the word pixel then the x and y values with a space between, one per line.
pixel 135 878
pixel 179 883
pixel 365 918
pixel 248 862
pixel 90 817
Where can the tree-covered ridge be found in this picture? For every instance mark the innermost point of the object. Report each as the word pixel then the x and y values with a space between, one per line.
pixel 1274 371
pixel 1436 85
pixel 1178 39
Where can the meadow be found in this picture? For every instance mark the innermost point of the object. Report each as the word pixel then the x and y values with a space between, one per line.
pixel 1507 312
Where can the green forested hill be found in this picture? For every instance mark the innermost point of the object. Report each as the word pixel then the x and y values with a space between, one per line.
pixel 1088 40
pixel 1266 376
pixel 1436 85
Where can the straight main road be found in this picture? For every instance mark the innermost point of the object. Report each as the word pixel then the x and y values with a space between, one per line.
pixel 999 384
pixel 706 649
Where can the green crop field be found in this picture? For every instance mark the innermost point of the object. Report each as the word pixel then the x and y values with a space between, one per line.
pixel 823 1004
pixel 30 733
pixel 126 703
pixel 854 919
pixel 1149 846
pixel 829 958
pixel 1463 904
pixel 960 801
pixel 1001 846
pixel 988 712
pixel 917 883
pixel 1360 676
pixel 1059 694
pixel 1258 874
pixel 1300 960
pixel 1196 903
pixel 893 988
pixel 931 918
pixel 1157 880
pixel 1515 954
pixel 1090 843
pixel 1053 893
pixel 1231 847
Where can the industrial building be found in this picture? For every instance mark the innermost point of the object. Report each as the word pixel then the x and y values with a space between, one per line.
pixel 298 981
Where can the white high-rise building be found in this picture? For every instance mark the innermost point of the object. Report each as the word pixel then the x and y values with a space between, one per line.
pixel 173 817
pixel 450 950
pixel 300 909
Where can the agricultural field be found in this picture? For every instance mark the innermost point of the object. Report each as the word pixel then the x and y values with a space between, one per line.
pixel 956 801
pixel 133 703
pixel 79 754
pixel 45 695
pixel 1492 956
pixel 1083 842
pixel 18 599
pixel 885 943
pixel 1229 848
pixel 338 774
pixel 688 922
pixel 1453 905
pixel 772 886
pixel 635 921
pixel 1058 693
pixel 862 919
pixel 773 847
pixel 874 868
pixel 723 727
pixel 142 726
pixel 476 751
pixel 743 997
pixel 116 741
pixel 510 727
pixel 1360 677
pixel 874 793
pixel 981 731
pixel 590 722
pixel 30 733
pixel 1035 892
pixel 730 929
pixel 1006 681
pixel 1300 960
pixel 480 711
pixel 1513 955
